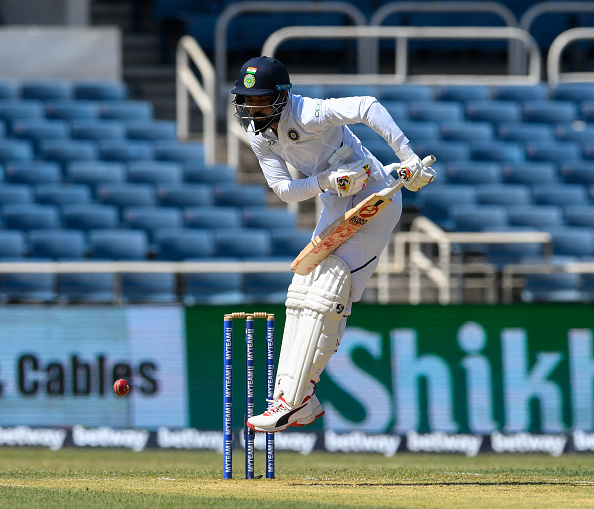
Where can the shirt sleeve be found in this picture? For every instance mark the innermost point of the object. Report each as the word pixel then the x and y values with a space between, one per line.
pixel 279 178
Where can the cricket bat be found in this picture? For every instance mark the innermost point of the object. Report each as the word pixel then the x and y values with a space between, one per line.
pixel 346 226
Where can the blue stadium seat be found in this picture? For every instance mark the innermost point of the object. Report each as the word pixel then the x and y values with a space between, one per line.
pixel 172 150
pixel 579 215
pixel 573 241
pixel 572 92
pixel 25 288
pixel 61 195
pixel 269 218
pixel 538 92
pixel 95 288
pixel 476 218
pixel 289 243
pixel 125 150
pixel 184 244
pixel 586 110
pixel 243 243
pixel 150 219
pixel 100 90
pixel 197 171
pixel 436 201
pixel 407 93
pixel 185 195
pixel 343 90
pixel 240 195
pixel 576 131
pixel 560 287
pixel 561 195
pixel 366 133
pixel 467 131
pixel 549 111
pixel 15 193
pixel 213 288
pixel 30 216
pixel 469 172
pixel 95 173
pixel 154 172
pixel 46 89
pixel 588 150
pixel 15 109
pixel 397 110
pixel 71 109
pixel 382 151
pixel 90 216
pixel 513 253
pixel 98 130
pixel 557 152
pixel 523 132
pixel 313 91
pixel 9 89
pixel 118 244
pixel 436 111
pixel 67 151
pixel 266 287
pixel 503 194
pixel 12 244
pixel 32 172
pixel 37 129
pixel 212 217
pixel 493 111
pixel 501 151
pixel 157 287
pixel 127 195
pixel 542 217
pixel 444 151
pixel 529 172
pixel 16 150
pixel 152 130
pixel 425 131
pixel 463 93
pixel 57 244
pixel 126 110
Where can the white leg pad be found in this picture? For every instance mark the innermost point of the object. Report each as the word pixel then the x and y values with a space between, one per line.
pixel 315 307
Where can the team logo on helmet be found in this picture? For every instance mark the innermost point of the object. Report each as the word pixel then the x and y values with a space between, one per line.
pixel 249 81
pixel 293 135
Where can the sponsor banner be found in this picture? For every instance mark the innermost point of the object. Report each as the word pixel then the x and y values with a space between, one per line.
pixel 299 441
pixel 58 365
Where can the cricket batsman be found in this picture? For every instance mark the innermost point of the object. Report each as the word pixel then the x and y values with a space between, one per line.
pixel 313 136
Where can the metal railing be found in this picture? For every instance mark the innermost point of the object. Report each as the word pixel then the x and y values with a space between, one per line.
pixel 561 42
pixel 203 94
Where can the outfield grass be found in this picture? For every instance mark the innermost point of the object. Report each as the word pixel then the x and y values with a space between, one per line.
pixel 83 478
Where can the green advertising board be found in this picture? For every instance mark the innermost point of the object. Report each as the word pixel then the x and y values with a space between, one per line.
pixel 456 369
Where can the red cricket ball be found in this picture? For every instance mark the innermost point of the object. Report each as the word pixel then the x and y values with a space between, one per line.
pixel 121 387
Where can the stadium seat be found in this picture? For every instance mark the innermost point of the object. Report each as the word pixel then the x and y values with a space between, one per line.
pixel 435 111
pixel 561 195
pixel 463 93
pixel 513 253
pixel 126 110
pixel 269 218
pixel 212 217
pixel 572 92
pixel 71 109
pixel 343 90
pixel 150 219
pixel 586 110
pixel 557 152
pixel 576 131
pixel 30 216
pixel 16 150
pixel 46 89
pixel 197 171
pixel 529 172
pixel 95 173
pixel 15 193
pixel 25 288
pixel 13 109
pixel 397 110
pixel 493 111
pixel 172 150
pixel 185 195
pixel 424 131
pixel 146 287
pixel 9 89
pixel 538 92
pixel 549 111
pixel 476 218
pixel 125 150
pixel 240 195
pixel 444 151
pixel 98 130
pixel 243 243
pixel 560 287
pixel 588 150
pixel 154 172
pixel 118 244
pixel 312 91
pixel 496 151
pixel 289 243
pixel 522 132
pixel 67 151
pixel 366 133
pixel 382 151
pixel 213 287
pixel 57 244
pixel 90 216
pixel 503 194
pixel 469 172
pixel 32 172
pixel 467 131
pixel 61 195
pixel 573 241
pixel 100 90
pixel 37 129
pixel 184 244
pixel 95 288
pixel 13 244
pixel 542 217
pixel 266 287
pixel 152 130
pixel 436 202
pixel 406 93
pixel 579 215
pixel 127 195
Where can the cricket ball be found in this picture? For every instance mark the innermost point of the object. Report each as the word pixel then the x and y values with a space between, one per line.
pixel 121 387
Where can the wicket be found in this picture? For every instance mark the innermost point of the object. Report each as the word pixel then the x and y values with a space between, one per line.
pixel 249 392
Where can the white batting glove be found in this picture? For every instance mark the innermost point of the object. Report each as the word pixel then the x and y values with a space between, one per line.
pixel 414 174
pixel 347 179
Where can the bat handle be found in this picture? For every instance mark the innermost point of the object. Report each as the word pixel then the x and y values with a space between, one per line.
pixel 429 160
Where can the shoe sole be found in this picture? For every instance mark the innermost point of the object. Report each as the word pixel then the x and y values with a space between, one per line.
pixel 297 424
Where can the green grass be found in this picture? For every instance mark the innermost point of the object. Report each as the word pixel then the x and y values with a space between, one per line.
pixel 83 478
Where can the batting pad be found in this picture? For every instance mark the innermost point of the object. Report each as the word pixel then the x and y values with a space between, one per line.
pixel 315 307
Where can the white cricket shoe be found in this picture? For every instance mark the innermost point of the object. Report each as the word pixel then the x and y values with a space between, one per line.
pixel 281 415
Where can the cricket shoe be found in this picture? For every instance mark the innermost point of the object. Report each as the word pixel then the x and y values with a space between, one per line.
pixel 281 415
